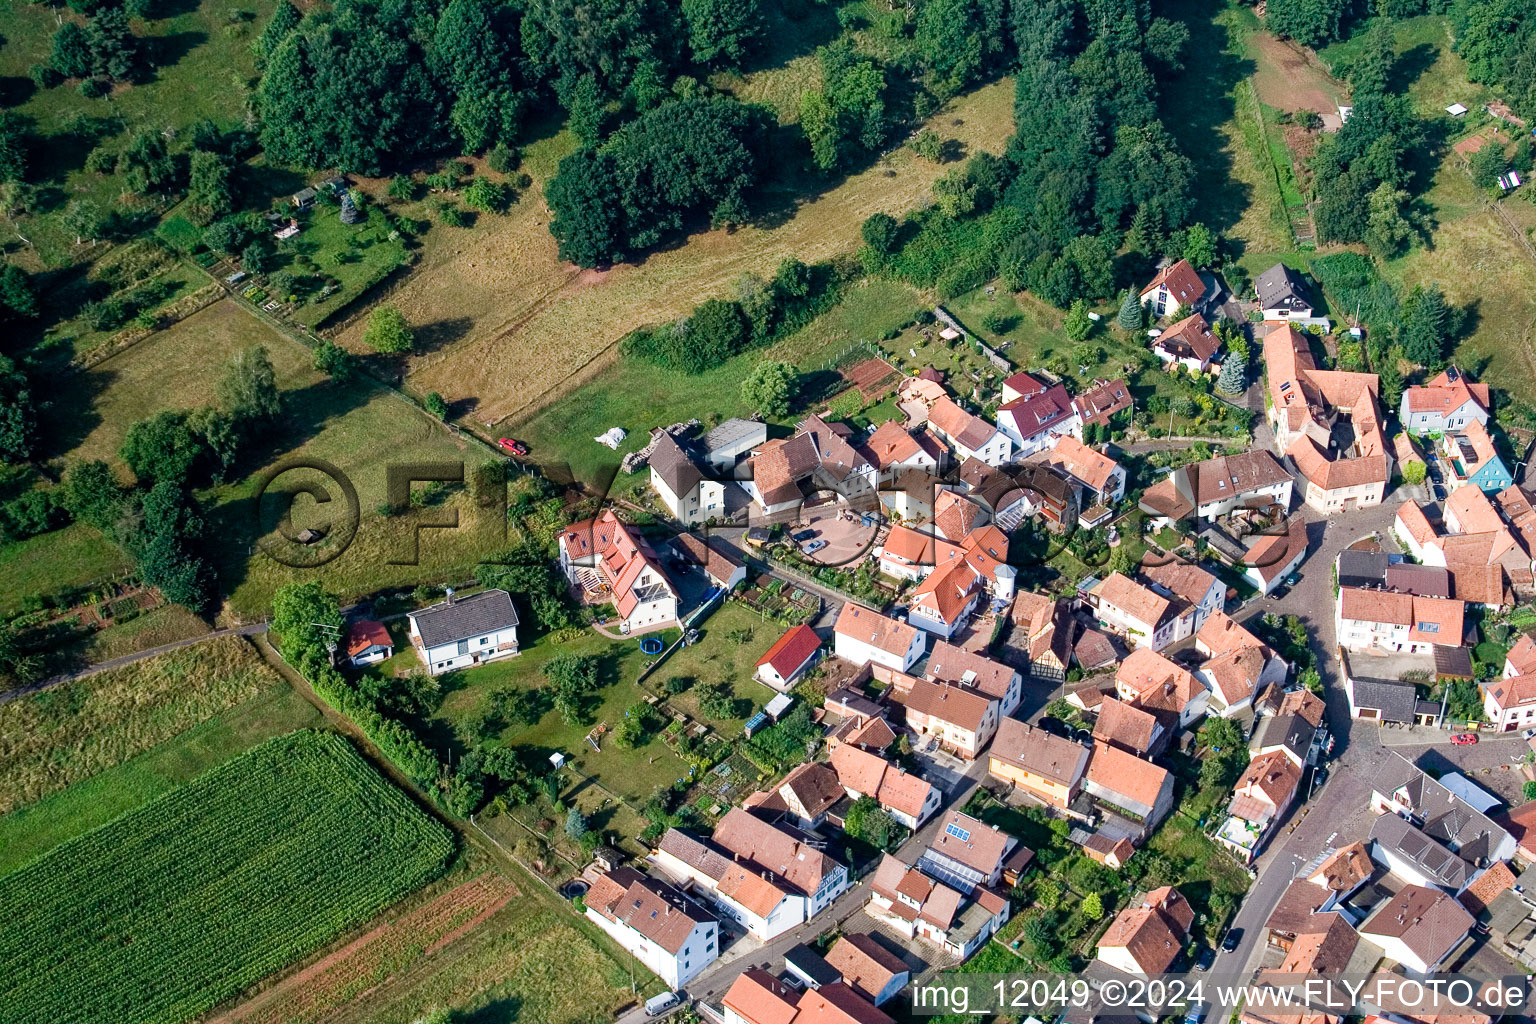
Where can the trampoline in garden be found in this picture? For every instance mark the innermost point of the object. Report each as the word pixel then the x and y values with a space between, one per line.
pixel 651 645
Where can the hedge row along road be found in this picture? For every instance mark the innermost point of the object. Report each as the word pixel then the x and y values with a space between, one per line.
pixel 164 912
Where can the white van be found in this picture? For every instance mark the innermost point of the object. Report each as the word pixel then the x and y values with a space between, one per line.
pixel 658 1005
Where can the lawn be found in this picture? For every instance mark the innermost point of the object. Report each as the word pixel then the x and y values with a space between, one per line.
pixel 163 625
pixel 357 256
pixel 638 396
pixel 71 732
pixel 30 831
pixel 74 557
pixel 720 658
pixel 633 774
pixel 518 329
pixel 204 68
pixel 177 368
pixel 360 428
pixel 184 902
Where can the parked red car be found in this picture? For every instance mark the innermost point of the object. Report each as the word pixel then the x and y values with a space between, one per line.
pixel 512 446
pixel 1464 739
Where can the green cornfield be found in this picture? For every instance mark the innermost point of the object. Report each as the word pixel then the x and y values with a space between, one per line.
pixel 169 909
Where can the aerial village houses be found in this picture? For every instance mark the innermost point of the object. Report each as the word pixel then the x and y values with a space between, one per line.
pixel 868 968
pixel 764 877
pixel 608 561
pixel 789 658
pixel 1472 460
pixel 1100 478
pixel 1130 785
pixel 1038 419
pixel 1131 729
pixel 1305 406
pixel 962 720
pixel 1102 402
pixel 805 795
pixel 1390 621
pixel 1176 286
pixel 659 926
pixel 1309 901
pixel 1418 927
pixel 368 643
pixel 967 854
pixel 459 632
pixel 1048 768
pixel 818 456
pixel 1140 614
pixel 1190 343
pixel 908 798
pixel 1152 682
pixel 1283 294
pixel 957 920
pixel 681 484
pixel 1448 403
pixel 1486 560
pixel 757 997
pixel 1202 591
pixel 863 637
pixel 1218 487
pixel 1263 794
pixel 723 567
pixel 997 681
pixel 1272 557
pixel 971 436
pixel 1237 666
pixel 1147 938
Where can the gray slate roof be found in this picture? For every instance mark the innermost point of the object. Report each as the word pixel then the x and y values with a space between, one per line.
pixel 1362 568
pixel 1427 854
pixel 675 466
pixel 464 617
pixel 1396 701
pixel 1280 287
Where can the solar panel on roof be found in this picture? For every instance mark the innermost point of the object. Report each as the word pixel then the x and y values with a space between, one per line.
pixel 964 835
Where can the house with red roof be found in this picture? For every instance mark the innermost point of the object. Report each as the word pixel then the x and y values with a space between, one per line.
pixel 908 798
pixel 956 917
pixel 1391 621
pixel 368 642
pixel 1260 800
pixel 657 924
pixel 789 658
pixel 1148 937
pixel 608 560
pixel 1190 343
pixel 1449 402
pixel 1176 285
pixel 1035 422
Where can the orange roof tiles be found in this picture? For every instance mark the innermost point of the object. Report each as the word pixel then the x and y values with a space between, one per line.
pixel 1182 281
pixel 1091 467
pixel 1132 599
pixel 889 635
pixel 1126 774
pixel 947 703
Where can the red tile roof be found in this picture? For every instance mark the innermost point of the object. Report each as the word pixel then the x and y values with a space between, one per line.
pixel 1182 281
pixel 365 633
pixel 792 650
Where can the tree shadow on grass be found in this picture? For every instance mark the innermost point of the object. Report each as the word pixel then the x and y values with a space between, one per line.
pixel 1198 102
pixel 442 333
pixel 167 51
pixel 506 1010
pixel 1410 67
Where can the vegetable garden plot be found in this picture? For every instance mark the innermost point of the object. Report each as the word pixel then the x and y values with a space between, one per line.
pixel 162 913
